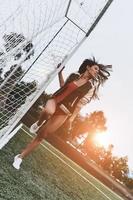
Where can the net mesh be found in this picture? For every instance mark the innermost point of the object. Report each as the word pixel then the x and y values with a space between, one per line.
pixel 34 38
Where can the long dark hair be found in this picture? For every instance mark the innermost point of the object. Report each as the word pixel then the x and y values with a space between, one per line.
pixel 103 69
pixel 85 63
pixel 104 72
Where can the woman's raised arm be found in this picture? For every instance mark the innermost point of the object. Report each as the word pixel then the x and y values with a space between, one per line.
pixel 61 79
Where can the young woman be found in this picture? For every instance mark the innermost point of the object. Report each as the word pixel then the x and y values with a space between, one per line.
pixel 66 103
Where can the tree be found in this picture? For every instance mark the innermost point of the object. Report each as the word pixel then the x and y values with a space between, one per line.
pixel 95 122
pixel 120 167
pixel 13 41
pixel 9 85
pixel 22 48
pixel 1 79
pixel 128 182
pixel 107 159
pixel 19 94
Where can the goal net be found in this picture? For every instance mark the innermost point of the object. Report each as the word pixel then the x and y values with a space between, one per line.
pixel 34 37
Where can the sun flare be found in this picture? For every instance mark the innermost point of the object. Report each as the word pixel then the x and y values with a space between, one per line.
pixel 101 139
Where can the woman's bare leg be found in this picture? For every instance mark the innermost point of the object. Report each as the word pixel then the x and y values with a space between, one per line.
pixel 51 126
pixel 48 110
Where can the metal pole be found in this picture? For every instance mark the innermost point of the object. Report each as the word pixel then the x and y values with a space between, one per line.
pixel 99 17
pixel 68 8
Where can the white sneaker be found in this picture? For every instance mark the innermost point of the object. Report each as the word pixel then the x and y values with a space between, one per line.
pixel 34 128
pixel 17 162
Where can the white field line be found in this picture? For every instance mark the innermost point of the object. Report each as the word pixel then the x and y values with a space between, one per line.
pixel 77 171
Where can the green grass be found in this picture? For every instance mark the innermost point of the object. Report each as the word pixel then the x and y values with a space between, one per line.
pixel 46 174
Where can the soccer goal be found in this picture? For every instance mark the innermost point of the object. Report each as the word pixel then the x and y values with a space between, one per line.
pixel 34 37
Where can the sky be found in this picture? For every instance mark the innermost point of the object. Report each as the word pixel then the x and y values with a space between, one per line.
pixel 111 43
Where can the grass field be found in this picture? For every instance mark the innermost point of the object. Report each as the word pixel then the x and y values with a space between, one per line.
pixel 46 174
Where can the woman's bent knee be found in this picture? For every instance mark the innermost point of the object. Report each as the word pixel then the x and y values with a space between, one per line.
pixel 42 134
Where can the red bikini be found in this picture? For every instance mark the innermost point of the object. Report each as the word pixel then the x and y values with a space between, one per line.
pixel 70 88
pixel 61 110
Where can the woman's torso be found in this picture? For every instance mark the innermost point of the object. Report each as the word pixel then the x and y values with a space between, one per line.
pixel 80 82
pixel 72 92
pixel 69 89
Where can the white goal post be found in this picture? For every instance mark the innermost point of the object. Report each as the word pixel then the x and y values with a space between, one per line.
pixel 34 37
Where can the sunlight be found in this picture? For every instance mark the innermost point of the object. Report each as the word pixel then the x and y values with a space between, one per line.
pixel 101 139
